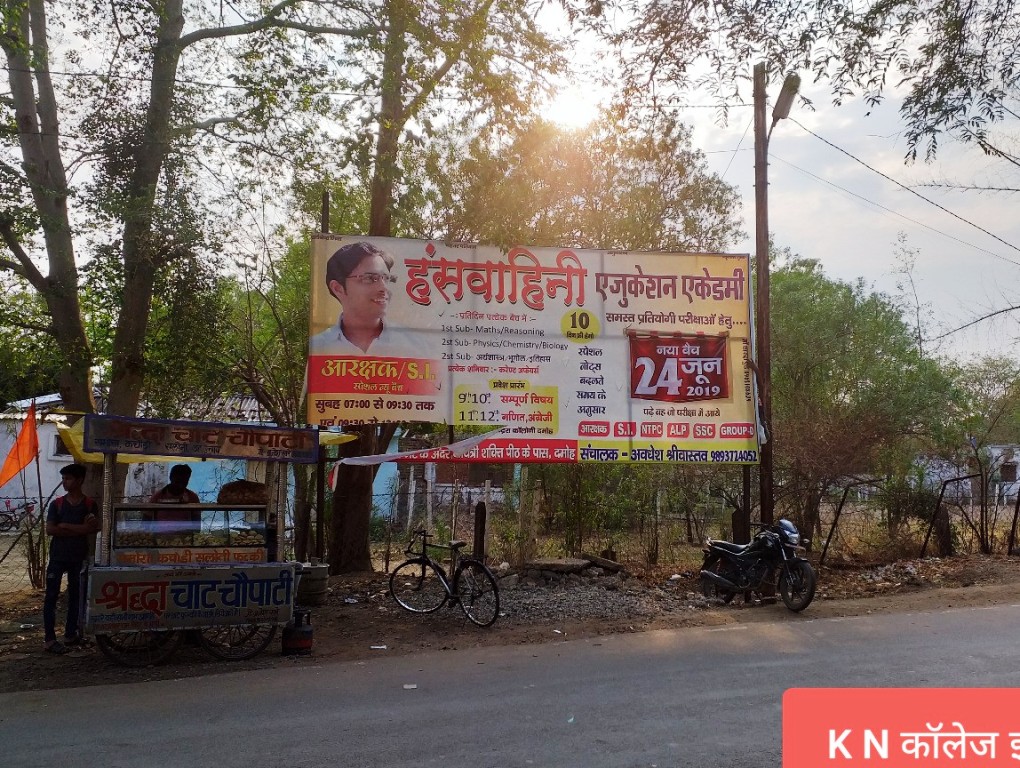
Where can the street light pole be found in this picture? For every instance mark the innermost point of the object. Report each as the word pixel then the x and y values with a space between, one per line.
pixel 763 321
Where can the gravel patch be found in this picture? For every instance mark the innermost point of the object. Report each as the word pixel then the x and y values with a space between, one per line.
pixel 526 604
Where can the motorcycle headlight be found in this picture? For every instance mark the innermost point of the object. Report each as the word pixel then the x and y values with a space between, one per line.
pixel 793 538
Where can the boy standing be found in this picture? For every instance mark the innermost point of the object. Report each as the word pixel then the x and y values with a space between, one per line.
pixel 70 520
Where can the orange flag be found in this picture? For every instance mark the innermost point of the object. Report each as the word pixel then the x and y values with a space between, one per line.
pixel 24 450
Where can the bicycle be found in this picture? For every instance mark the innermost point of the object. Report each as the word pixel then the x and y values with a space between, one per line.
pixel 11 518
pixel 420 584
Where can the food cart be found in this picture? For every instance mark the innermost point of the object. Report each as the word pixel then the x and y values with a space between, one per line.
pixel 211 571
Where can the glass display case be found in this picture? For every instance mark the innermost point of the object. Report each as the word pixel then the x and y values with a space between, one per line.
pixel 188 533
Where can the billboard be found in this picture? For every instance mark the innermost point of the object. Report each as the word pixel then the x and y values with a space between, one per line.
pixel 581 355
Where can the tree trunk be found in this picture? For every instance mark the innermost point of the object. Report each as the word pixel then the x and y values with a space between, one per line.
pixel 943 533
pixel 26 46
pixel 302 512
pixel 391 121
pixel 352 503
pixel 349 549
pixel 142 253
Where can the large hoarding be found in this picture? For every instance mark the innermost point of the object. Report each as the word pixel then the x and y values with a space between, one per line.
pixel 580 354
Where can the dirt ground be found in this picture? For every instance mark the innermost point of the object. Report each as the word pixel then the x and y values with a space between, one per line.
pixel 360 621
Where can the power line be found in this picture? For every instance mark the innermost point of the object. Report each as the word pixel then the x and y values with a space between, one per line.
pixel 183 81
pixel 906 188
pixel 895 213
pixel 734 153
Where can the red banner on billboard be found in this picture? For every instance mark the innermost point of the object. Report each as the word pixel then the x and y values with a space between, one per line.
pixel 678 368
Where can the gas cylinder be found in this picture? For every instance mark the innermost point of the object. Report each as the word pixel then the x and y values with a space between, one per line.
pixel 298 636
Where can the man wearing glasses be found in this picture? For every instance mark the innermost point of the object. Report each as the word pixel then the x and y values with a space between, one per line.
pixel 359 276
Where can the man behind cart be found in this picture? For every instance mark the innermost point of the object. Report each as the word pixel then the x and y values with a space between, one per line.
pixel 176 492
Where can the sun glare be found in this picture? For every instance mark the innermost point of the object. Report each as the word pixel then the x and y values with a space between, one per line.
pixel 571 108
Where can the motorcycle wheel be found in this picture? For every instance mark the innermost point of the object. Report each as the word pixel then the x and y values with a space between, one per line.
pixel 797 585
pixel 710 590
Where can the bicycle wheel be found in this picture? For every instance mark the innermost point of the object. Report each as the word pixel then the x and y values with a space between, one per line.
pixel 238 641
pixel 419 586
pixel 140 649
pixel 476 590
pixel 6 523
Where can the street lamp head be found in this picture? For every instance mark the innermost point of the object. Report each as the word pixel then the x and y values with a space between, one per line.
pixel 790 87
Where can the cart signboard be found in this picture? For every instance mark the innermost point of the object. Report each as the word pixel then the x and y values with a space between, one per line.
pixel 171 556
pixel 121 434
pixel 139 599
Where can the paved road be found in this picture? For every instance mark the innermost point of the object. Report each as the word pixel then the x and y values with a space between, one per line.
pixel 672 699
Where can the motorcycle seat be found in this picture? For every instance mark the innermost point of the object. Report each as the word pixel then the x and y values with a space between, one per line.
pixel 729 546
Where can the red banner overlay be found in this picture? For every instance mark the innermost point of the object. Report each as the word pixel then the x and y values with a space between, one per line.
pixel 678 368
pixel 370 376
pixel 894 727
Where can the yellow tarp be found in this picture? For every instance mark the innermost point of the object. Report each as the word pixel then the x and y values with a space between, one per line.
pixel 335 438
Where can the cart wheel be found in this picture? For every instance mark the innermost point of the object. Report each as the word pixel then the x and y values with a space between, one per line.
pixel 238 641
pixel 140 649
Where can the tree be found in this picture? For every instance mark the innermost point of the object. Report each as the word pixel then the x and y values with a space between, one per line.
pixel 136 125
pixel 849 384
pixel 284 78
pixel 266 354
pixel 616 184
pixel 988 414
pixel 145 124
pixel 955 61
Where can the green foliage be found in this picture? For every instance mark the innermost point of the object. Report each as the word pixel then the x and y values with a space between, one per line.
pixel 268 337
pixel 638 186
pixel 846 372
pixel 908 498
pixel 188 328
pixel 30 362
pixel 851 391
pixel 377 528
pixel 956 62
pixel 989 408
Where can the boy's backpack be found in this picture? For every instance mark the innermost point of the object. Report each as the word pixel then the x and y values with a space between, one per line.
pixel 91 507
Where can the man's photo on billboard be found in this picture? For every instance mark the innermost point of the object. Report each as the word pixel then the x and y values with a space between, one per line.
pixel 360 277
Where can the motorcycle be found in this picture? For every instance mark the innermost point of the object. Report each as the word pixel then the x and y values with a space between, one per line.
pixel 730 569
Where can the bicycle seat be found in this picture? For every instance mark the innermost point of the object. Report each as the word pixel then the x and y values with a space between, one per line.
pixel 457 544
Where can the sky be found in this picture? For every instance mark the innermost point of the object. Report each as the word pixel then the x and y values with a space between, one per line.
pixel 825 205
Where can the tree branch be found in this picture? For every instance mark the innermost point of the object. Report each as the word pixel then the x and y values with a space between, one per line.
pixel 272 19
pixel 209 124
pixel 452 56
pixel 981 319
pixel 23 266
pixel 17 323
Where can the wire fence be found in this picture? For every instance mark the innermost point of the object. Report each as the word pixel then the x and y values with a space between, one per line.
pixel 518 529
